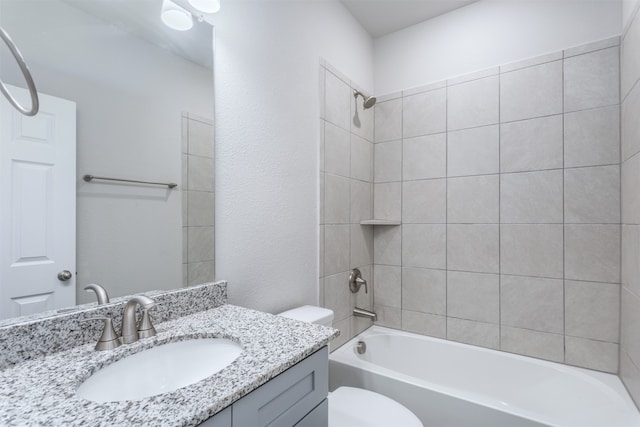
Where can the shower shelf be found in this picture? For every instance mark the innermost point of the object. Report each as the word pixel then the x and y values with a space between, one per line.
pixel 380 222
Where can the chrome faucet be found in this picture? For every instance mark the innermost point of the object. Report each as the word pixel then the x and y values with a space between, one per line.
pixel 131 332
pixel 101 293
pixel 361 312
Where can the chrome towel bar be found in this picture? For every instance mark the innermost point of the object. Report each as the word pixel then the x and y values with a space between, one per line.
pixel 89 178
pixel 35 103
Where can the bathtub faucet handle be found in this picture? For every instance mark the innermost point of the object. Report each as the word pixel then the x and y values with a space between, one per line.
pixel 356 281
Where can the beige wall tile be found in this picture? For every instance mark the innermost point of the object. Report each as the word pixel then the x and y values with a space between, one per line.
pixel 424 290
pixel 532 343
pixel 424 113
pixel 424 201
pixel 592 252
pixel 473 199
pixel 531 197
pixel 532 303
pixel 388 120
pixel 598 355
pixel 592 80
pixel 531 92
pixel 474 103
pixel 425 324
pixel 532 250
pixel 533 144
pixel 592 310
pixel 473 296
pixel 474 333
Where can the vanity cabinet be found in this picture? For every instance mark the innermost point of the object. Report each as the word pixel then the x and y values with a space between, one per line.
pixel 296 397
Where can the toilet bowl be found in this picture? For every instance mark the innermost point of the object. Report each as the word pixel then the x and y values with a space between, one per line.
pixel 350 406
pixel 357 407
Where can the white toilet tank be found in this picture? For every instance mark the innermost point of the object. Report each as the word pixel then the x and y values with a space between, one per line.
pixel 310 314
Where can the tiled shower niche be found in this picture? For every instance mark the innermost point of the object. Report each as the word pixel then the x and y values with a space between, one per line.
pixel 507 185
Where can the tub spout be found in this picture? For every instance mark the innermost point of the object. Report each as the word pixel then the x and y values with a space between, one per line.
pixel 361 312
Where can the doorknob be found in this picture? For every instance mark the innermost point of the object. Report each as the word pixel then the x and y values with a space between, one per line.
pixel 64 275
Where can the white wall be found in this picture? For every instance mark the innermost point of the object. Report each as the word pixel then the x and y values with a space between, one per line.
pixel 267 132
pixel 628 8
pixel 129 95
pixel 486 34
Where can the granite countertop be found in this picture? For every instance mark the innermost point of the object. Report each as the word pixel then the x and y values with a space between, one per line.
pixel 42 391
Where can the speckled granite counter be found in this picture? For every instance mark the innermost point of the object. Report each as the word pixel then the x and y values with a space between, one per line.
pixel 38 335
pixel 42 391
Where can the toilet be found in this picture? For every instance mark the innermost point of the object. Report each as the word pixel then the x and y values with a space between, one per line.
pixel 350 406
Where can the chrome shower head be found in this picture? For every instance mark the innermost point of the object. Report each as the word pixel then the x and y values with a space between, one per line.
pixel 367 101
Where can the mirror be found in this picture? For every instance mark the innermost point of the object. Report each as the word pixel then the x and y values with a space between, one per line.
pixel 144 111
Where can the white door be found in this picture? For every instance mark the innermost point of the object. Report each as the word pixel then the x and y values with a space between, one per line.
pixel 37 205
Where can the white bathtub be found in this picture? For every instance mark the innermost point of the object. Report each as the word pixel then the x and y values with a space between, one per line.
pixel 447 384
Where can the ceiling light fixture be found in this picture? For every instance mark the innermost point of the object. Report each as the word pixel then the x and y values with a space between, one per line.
pixel 206 6
pixel 176 17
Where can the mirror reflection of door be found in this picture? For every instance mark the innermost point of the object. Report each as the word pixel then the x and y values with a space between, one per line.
pixel 37 206
pixel 134 81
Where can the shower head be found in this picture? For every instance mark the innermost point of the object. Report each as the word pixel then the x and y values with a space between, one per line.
pixel 367 101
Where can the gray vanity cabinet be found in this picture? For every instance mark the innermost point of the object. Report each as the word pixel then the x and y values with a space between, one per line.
pixel 221 419
pixel 296 397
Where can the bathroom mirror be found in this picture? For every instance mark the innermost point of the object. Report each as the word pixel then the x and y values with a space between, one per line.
pixel 143 95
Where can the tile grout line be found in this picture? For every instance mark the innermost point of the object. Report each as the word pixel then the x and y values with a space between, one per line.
pixel 503 274
pixel 350 266
pixel 564 290
pixel 498 173
pixel 373 231
pixel 620 162
pixel 402 139
pixel 499 214
pixel 321 185
pixel 446 213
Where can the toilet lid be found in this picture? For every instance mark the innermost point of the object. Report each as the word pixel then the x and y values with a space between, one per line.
pixel 356 407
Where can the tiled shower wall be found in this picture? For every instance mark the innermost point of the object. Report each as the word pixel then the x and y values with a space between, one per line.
pixel 346 176
pixel 507 183
pixel 630 316
pixel 197 200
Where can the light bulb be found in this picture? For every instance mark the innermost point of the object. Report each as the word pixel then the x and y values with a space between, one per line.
pixel 176 17
pixel 206 6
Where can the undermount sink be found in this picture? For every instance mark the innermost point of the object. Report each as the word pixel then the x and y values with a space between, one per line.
pixel 159 370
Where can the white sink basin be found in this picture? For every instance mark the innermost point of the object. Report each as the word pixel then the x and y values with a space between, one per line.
pixel 159 370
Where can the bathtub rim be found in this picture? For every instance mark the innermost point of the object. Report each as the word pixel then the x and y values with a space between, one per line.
pixel 346 354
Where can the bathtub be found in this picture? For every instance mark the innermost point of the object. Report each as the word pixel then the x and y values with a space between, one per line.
pixel 448 384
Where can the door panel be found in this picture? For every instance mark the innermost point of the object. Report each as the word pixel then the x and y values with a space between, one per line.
pixel 37 206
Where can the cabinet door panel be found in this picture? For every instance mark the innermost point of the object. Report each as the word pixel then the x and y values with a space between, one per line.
pixel 319 417
pixel 287 398
pixel 221 419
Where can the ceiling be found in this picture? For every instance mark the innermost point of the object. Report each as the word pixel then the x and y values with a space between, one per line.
pixel 380 17
pixel 141 18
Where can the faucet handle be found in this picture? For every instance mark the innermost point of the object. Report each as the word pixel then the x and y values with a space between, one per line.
pixel 145 327
pixel 356 281
pixel 109 338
